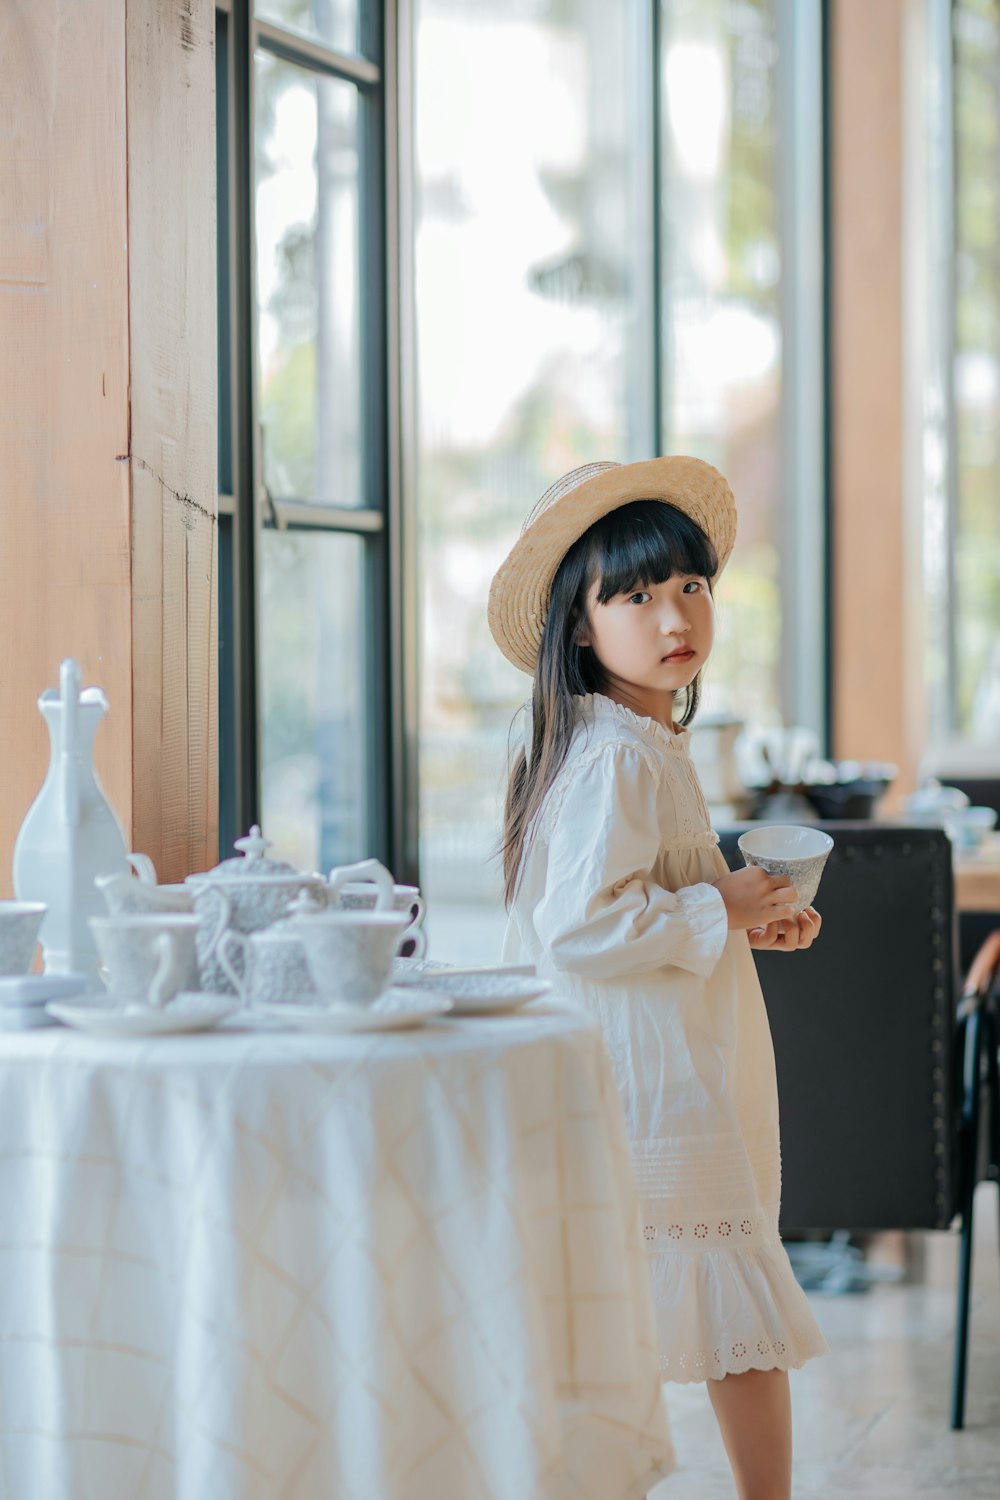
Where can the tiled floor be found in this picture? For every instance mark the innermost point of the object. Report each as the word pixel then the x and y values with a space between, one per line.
pixel 871 1419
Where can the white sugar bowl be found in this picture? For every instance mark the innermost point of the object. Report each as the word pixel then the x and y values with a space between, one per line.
pixel 244 894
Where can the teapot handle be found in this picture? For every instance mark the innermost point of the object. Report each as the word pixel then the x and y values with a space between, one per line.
pixel 143 867
pixel 233 939
pixel 365 869
pixel 163 985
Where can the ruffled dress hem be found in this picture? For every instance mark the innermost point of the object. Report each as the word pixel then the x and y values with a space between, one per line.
pixel 722 1312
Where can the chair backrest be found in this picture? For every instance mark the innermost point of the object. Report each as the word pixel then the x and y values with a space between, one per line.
pixel 863 1028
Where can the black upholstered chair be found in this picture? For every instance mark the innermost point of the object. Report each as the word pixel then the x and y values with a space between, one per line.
pixel 877 1052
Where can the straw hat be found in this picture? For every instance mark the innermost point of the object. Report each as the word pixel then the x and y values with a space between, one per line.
pixel 522 586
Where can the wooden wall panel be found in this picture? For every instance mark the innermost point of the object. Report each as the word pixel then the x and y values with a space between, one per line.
pixel 108 409
pixel 65 574
pixel 172 301
pixel 876 650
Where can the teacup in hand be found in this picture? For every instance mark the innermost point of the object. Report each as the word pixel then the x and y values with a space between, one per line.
pixel 147 960
pixel 19 924
pixel 798 853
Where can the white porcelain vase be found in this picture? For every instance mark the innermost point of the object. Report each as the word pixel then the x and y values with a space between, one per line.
pixel 70 834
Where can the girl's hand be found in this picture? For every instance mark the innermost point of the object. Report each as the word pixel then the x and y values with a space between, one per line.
pixel 786 937
pixel 755 899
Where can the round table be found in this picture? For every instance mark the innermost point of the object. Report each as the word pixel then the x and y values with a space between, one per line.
pixel 258 1263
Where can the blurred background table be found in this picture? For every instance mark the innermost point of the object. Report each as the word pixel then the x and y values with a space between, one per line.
pixel 248 1264
pixel 977 881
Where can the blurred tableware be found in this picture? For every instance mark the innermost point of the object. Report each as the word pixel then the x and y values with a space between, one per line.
pixel 934 803
pixel 369 886
pixel 272 965
pixel 350 953
pixel 186 1012
pixel 19 924
pixel 970 827
pixel 137 894
pixel 396 1010
pixel 23 998
pixel 846 789
pixel 799 853
pixel 147 960
pixel 244 893
pixel 478 992
pixel 70 834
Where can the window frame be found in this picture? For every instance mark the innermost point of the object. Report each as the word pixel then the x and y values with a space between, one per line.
pixel 247 509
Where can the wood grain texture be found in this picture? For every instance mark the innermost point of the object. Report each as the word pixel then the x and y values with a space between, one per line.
pixel 65 572
pixel 874 651
pixel 108 416
pixel 172 316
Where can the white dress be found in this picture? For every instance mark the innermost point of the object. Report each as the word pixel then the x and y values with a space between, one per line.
pixel 616 905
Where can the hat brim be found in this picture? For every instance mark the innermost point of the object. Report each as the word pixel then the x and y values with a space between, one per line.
pixel 522 585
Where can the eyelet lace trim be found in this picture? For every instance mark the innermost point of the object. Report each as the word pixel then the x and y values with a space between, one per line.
pixel 731 1359
pixel 666 1231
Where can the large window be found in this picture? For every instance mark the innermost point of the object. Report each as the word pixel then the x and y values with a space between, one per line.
pixel 617 252
pixel 973 681
pixel 305 534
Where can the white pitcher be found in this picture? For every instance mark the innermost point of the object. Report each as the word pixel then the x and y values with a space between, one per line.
pixel 70 834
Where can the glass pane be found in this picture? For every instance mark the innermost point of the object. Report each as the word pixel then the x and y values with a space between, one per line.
pixel 533 346
pixel 721 276
pixel 332 21
pixel 312 688
pixel 976 580
pixel 307 185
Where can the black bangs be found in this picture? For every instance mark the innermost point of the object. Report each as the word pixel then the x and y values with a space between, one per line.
pixel 645 542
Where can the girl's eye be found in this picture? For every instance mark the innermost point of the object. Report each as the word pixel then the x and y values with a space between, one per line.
pixel 639 598
pixel 695 583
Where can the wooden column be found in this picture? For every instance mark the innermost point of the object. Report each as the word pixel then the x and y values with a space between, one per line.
pixel 108 416
pixel 877 667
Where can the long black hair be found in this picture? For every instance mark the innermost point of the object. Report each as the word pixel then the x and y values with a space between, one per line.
pixel 645 542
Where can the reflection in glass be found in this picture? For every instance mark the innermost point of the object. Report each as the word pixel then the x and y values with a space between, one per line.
pixel 721 270
pixel 312 696
pixel 533 347
pixel 332 21
pixel 307 196
pixel 976 522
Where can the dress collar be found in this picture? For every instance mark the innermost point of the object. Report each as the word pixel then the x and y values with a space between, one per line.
pixel 597 706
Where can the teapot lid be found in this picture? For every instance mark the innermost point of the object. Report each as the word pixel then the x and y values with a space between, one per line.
pixel 252 862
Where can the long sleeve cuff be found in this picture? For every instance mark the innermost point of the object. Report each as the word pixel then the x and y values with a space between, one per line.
pixel 708 922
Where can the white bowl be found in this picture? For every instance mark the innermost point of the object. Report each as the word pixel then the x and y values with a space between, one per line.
pixel 785 849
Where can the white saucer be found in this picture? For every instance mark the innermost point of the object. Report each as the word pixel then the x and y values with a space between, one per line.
pixel 396 1010
pixel 479 992
pixel 189 1011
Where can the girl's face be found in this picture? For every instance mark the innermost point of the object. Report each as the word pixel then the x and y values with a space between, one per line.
pixel 653 641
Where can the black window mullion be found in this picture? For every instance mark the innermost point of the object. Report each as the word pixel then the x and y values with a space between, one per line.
pixel 244 768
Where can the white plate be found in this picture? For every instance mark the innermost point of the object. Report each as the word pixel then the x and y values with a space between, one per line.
pixel 480 992
pixel 186 1012
pixel 36 989
pixel 394 1011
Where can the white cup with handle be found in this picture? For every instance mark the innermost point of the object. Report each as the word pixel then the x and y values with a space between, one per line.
pixel 350 952
pixel 146 960
pixel 365 887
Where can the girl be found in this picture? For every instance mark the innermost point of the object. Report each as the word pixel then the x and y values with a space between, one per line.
pixel 616 890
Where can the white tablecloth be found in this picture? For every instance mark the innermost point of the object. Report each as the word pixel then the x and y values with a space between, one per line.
pixel 258 1264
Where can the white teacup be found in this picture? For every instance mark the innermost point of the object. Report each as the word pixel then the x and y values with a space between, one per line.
pixel 368 886
pixel 784 849
pixel 359 895
pixel 19 924
pixel 350 953
pixel 147 960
